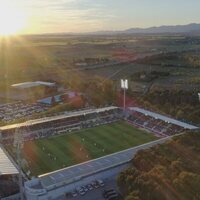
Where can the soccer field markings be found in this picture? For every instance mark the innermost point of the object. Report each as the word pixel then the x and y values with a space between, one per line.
pixel 100 147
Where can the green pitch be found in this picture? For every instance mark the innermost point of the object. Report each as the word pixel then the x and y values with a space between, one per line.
pixel 54 153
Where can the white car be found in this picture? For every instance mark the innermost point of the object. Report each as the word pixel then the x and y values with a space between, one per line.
pixel 80 190
pixel 74 194
pixel 100 182
pixel 85 188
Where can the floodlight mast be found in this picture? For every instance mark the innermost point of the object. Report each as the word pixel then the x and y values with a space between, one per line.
pixel 124 86
pixel 124 99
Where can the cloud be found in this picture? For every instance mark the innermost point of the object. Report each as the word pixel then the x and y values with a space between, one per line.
pixel 61 15
pixel 91 15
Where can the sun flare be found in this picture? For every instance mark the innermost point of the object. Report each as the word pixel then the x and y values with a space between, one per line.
pixel 12 19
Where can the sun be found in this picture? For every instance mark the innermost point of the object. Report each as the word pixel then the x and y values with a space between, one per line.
pixel 12 19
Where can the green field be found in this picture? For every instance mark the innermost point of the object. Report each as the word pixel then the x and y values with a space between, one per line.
pixel 51 154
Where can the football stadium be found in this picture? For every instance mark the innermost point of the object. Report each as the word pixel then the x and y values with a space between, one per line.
pixel 62 149
pixel 47 155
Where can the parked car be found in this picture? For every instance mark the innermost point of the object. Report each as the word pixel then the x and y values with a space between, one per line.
pixel 110 194
pixel 85 188
pixel 100 182
pixel 112 197
pixel 90 187
pixel 95 185
pixel 105 192
pixel 80 190
pixel 74 194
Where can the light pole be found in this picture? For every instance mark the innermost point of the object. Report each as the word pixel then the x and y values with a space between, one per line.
pixel 124 86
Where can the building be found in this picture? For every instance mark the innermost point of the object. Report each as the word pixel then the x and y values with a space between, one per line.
pixel 32 90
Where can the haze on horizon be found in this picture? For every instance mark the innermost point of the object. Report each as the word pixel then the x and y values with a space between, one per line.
pixel 50 16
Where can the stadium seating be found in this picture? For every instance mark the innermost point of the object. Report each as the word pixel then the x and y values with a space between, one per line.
pixel 157 126
pixel 60 126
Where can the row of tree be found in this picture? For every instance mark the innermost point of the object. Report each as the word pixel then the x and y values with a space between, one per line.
pixel 194 60
pixel 183 105
pixel 99 92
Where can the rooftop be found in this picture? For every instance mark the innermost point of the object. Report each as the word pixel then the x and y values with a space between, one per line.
pixel 164 118
pixel 6 166
pixel 26 85
pixel 58 117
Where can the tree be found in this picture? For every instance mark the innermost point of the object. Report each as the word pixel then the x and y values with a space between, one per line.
pixel 167 171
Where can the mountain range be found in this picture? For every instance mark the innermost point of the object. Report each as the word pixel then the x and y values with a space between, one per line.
pixel 193 28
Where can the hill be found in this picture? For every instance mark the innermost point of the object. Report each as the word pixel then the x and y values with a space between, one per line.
pixel 189 28
pixel 167 29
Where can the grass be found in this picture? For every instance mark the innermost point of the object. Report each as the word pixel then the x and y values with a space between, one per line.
pixel 81 146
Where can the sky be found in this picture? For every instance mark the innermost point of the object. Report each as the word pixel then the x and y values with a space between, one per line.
pixel 51 16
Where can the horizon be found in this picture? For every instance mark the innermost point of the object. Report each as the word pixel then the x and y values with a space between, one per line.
pixel 117 30
pixel 82 16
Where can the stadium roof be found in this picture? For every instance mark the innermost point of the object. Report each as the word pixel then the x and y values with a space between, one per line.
pixel 26 85
pixel 164 118
pixel 49 119
pixel 6 166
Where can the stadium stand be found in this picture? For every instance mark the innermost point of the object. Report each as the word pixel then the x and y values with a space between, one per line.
pixel 52 126
pixel 158 124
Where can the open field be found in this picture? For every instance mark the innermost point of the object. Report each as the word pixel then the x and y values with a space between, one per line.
pixel 47 57
pixel 51 154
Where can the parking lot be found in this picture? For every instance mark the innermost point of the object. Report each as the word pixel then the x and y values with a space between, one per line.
pixel 18 110
pixel 95 193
